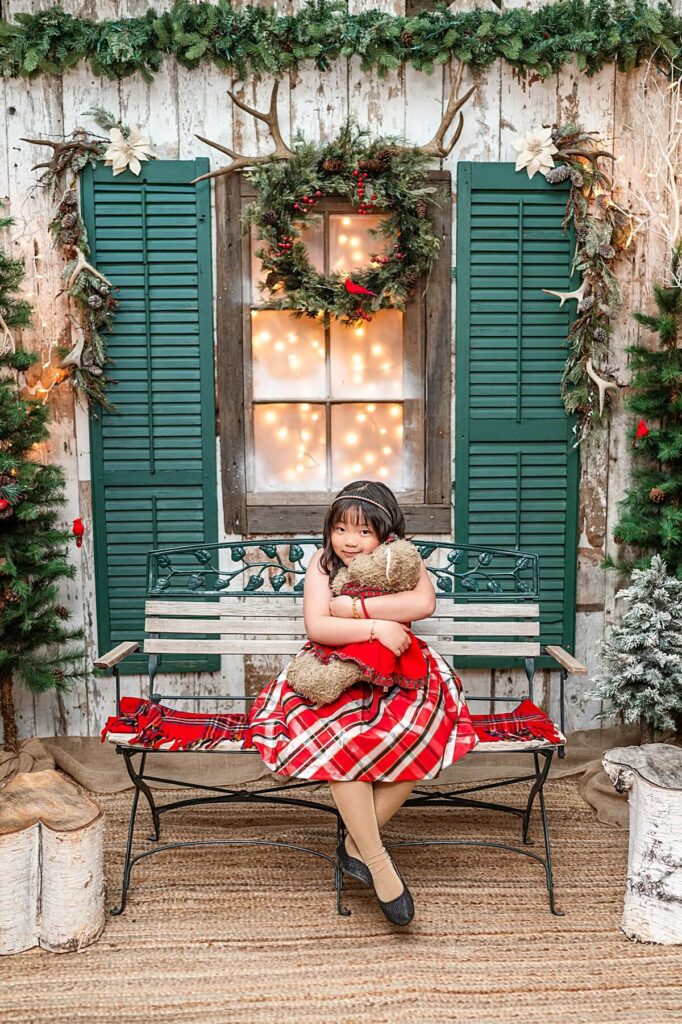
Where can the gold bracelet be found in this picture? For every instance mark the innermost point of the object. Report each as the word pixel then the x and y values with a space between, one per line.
pixel 371 632
pixel 356 614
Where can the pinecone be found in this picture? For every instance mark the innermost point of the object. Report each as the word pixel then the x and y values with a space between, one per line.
pixel 287 45
pixel 272 279
pixel 68 237
pixel 600 335
pixel 69 199
pixel 69 220
pixel 407 38
pixel 421 209
pixel 657 495
pixel 59 675
pixel 577 179
pixel 333 163
pixel 411 277
pixel 369 163
pixel 269 218
pixel 618 539
pixel 62 612
pixel 558 174
pixel 94 301
pixel 385 157
pixel 606 251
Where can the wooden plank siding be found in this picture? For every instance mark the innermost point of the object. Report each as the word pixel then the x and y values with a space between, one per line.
pixel 180 104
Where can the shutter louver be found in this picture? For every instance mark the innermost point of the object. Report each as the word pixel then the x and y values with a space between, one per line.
pixel 153 460
pixel 516 471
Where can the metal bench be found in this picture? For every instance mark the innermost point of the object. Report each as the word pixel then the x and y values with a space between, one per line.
pixel 245 598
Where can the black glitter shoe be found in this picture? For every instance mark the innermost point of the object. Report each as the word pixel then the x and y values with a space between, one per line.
pixel 400 910
pixel 353 867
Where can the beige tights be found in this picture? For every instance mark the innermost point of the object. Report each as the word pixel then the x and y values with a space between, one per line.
pixel 365 808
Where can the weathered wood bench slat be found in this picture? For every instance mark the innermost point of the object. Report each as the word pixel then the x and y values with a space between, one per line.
pixel 245 646
pixel 256 627
pixel 282 607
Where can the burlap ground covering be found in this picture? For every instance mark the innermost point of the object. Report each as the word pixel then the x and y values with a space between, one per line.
pixel 249 935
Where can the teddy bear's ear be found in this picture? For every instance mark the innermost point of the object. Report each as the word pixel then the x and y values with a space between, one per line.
pixel 403 564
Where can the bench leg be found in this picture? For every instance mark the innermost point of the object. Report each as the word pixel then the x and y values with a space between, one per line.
pixel 540 777
pixel 140 785
pixel 115 911
pixel 340 837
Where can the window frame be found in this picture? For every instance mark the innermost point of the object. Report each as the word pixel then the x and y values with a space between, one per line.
pixel 429 314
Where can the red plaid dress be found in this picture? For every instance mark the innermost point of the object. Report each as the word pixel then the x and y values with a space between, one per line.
pixel 370 733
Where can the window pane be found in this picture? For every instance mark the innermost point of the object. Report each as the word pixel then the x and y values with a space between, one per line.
pixel 288 355
pixel 290 443
pixel 350 243
pixel 367 441
pixel 367 360
pixel 312 235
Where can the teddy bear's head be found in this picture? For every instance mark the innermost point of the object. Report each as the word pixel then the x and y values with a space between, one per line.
pixel 392 567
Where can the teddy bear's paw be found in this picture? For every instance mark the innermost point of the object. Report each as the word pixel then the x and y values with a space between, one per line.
pixel 322 684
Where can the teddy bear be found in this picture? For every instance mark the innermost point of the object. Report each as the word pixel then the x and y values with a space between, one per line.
pixel 321 673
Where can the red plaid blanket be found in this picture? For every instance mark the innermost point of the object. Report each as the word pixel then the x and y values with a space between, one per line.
pixel 526 722
pixel 153 725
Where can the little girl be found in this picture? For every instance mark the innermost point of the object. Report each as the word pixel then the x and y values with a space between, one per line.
pixel 371 744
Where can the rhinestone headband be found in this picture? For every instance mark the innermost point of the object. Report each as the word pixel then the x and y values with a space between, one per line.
pixel 361 497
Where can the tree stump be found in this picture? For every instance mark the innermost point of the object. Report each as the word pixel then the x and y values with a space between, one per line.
pixel 51 864
pixel 652 777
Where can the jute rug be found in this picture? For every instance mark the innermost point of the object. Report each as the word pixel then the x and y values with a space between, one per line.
pixel 251 935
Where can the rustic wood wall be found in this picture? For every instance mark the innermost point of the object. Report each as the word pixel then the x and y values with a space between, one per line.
pixel 180 103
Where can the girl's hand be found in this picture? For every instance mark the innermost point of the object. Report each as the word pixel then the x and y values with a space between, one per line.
pixel 341 607
pixel 392 635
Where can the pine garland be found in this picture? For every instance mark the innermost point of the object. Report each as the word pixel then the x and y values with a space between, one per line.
pixel 381 176
pixel 252 40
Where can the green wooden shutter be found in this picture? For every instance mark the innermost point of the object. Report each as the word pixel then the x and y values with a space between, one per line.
pixel 153 461
pixel 516 470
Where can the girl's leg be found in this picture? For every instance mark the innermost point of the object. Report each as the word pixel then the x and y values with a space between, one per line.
pixel 389 797
pixel 355 801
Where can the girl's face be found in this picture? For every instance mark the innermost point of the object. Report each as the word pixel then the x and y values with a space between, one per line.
pixel 352 537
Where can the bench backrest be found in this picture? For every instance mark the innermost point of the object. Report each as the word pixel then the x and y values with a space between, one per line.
pixel 246 597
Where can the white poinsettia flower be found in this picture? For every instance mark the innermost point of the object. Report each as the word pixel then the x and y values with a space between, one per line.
pixel 535 151
pixel 123 154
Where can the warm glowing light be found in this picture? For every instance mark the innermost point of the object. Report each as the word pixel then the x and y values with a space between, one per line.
pixel 355 241
pixel 383 471
pixel 304 406
pixel 383 430
pixel 315 344
pixel 395 410
pixel 399 431
pixel 377 349
pixel 371 408
pixel 357 467
pixel 343 239
pixel 315 417
pixel 351 438
pixel 305 435
pixel 359 332
pixel 294 362
pixel 346 221
pixel 357 257
pixel 299 467
pixel 361 417
pixel 264 336
pixel 387 450
pixel 270 417
pixel 279 346
pixel 370 458
pixel 292 337
pixel 282 433
pixel 386 367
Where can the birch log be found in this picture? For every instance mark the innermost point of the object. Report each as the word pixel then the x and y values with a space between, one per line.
pixel 51 865
pixel 652 777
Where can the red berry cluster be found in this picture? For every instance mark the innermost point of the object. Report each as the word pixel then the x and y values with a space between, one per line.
pixel 398 255
pixel 285 244
pixel 365 207
pixel 305 202
pixel 360 313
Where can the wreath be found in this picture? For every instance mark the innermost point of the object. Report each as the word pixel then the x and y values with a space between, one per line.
pixel 378 176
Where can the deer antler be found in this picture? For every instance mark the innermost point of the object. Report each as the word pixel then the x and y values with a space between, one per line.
pixel 436 147
pixel 281 151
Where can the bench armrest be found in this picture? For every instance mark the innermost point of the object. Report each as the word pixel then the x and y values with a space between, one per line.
pixel 566 660
pixel 117 654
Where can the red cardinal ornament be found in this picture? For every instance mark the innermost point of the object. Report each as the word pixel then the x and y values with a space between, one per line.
pixel 78 531
pixel 642 430
pixel 356 289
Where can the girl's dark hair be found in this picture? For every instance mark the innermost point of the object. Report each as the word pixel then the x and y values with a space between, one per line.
pixel 346 506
